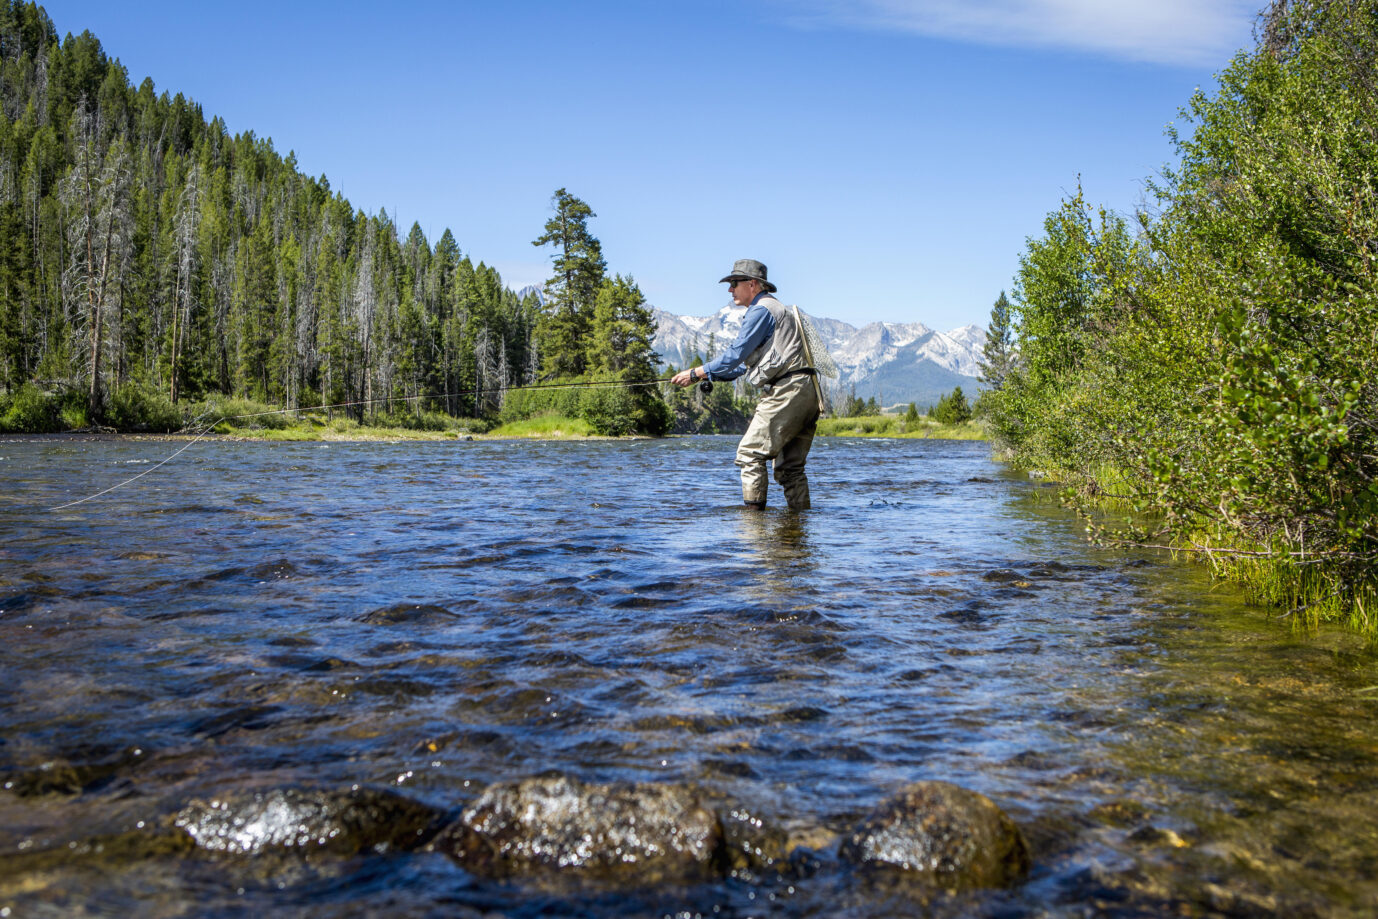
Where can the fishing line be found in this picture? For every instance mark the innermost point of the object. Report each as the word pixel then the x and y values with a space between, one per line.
pixel 706 386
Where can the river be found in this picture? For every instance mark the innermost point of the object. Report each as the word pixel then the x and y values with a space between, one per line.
pixel 429 618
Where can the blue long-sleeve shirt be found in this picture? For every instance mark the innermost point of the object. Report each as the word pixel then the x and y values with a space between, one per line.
pixel 757 326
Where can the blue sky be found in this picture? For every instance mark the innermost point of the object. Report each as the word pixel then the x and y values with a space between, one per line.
pixel 887 159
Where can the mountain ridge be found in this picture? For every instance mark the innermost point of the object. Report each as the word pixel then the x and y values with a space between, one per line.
pixel 895 362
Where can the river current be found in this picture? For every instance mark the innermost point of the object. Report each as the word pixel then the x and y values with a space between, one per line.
pixel 429 618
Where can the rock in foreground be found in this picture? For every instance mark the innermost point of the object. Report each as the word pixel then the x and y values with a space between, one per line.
pixel 943 836
pixel 307 820
pixel 622 834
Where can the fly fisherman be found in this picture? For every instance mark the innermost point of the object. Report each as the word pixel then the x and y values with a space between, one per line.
pixel 770 351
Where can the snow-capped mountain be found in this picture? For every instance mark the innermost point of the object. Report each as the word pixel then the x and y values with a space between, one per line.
pixel 895 362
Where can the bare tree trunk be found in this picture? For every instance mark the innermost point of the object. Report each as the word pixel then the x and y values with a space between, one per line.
pixel 97 317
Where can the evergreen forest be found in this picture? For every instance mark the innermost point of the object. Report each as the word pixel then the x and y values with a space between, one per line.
pixel 150 259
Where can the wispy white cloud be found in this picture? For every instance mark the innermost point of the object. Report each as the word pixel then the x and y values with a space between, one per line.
pixel 1178 32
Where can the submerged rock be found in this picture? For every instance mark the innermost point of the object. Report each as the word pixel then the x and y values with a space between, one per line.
pixel 941 835
pixel 308 820
pixel 752 844
pixel 103 851
pixel 621 834
pixel 62 776
pixel 409 614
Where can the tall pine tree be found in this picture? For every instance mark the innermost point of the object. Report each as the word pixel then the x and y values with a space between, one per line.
pixel 571 291
pixel 997 355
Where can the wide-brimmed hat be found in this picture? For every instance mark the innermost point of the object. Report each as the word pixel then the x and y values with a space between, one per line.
pixel 748 269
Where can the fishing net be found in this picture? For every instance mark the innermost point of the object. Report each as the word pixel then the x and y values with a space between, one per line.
pixel 814 350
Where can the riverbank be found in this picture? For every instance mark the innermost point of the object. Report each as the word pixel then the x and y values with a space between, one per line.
pixel 897 426
pixel 543 427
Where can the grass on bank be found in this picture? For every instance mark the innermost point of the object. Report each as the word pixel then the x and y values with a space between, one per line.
pixel 897 426
pixel 252 420
pixel 1292 586
pixel 138 410
pixel 315 427
pixel 545 426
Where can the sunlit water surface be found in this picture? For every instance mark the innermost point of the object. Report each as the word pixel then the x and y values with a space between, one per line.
pixel 433 617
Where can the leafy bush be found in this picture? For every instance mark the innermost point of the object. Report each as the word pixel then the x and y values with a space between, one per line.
pixel 72 412
pixel 231 413
pixel 545 426
pixel 29 410
pixel 1221 362
pixel 137 407
pixel 428 421
pixel 520 404
pixel 720 411
pixel 610 410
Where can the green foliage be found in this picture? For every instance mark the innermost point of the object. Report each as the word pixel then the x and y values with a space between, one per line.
pixel 232 413
pixel 1221 365
pixel 427 421
pixel 997 354
pixel 951 408
pixel 614 411
pixel 721 411
pixel 138 407
pixel 545 426
pixel 620 348
pixel 519 404
pixel 853 406
pixel 151 246
pixel 892 426
pixel 563 332
pixel 30 410
pixel 867 425
pixel 609 410
pixel 621 337
pixel 1074 289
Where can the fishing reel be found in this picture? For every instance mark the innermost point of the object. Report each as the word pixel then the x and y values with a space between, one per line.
pixel 706 387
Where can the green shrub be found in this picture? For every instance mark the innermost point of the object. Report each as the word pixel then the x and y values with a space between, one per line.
pixel 138 407
pixel 241 413
pixel 545 426
pixel 73 414
pixel 521 404
pixel 610 410
pixel 614 411
pixel 29 410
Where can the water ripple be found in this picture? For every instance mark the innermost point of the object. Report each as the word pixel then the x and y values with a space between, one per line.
pixel 432 617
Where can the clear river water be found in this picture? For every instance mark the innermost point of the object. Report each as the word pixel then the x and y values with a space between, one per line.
pixel 428 618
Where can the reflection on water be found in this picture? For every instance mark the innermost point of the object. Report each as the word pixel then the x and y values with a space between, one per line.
pixel 777 545
pixel 429 618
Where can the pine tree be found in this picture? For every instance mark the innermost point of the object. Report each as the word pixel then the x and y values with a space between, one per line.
pixel 142 243
pixel 621 333
pixel 571 291
pixel 997 355
pixel 952 408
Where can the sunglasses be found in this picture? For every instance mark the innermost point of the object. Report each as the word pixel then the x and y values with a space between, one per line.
pixel 732 284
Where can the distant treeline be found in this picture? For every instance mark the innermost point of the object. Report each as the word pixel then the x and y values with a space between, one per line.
pixel 1213 363
pixel 148 256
